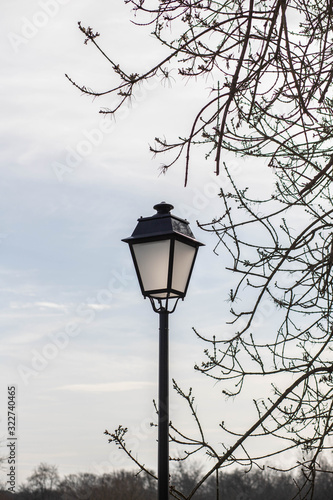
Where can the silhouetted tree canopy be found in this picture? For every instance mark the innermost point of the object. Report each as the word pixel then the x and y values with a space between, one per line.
pixel 125 485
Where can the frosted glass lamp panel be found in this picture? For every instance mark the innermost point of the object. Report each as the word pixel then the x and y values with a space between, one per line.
pixel 165 295
pixel 182 265
pixel 152 259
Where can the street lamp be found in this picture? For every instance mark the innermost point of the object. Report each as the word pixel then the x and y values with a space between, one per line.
pixel 163 250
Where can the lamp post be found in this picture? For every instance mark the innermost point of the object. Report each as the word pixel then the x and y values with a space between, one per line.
pixel 163 250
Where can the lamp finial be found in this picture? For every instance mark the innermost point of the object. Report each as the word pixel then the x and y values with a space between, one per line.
pixel 163 208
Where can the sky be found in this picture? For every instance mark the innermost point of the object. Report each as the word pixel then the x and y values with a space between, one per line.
pixel 78 342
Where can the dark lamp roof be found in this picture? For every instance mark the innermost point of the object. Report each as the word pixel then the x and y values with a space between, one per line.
pixel 160 224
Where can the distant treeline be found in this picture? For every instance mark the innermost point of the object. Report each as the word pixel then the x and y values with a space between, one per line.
pixel 45 484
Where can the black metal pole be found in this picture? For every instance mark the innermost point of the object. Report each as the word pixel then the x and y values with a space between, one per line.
pixel 163 408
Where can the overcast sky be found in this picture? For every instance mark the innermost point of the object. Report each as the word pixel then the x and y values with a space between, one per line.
pixel 77 338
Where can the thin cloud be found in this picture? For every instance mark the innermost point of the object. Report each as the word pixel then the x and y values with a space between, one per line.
pixel 130 385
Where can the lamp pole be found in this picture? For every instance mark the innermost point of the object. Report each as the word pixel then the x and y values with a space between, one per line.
pixel 163 407
pixel 164 250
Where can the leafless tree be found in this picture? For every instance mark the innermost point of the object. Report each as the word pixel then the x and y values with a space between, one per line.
pixel 119 485
pixel 271 63
pixel 43 481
